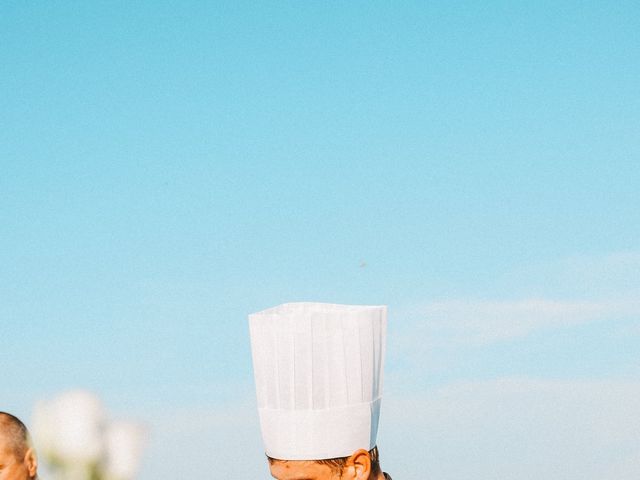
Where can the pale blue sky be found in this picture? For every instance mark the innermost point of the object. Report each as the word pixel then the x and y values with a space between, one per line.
pixel 170 167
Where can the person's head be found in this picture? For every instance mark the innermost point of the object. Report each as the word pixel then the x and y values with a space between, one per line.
pixel 17 457
pixel 361 465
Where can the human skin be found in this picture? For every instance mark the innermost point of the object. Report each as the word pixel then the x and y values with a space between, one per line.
pixel 13 467
pixel 358 467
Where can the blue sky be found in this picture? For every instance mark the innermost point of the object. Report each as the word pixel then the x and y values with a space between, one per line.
pixel 168 168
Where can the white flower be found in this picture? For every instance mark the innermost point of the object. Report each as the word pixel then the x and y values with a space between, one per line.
pixel 124 444
pixel 77 422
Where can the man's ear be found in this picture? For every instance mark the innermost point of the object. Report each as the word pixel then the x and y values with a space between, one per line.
pixel 358 465
pixel 31 462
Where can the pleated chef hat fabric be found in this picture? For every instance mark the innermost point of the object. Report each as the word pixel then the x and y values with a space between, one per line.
pixel 318 369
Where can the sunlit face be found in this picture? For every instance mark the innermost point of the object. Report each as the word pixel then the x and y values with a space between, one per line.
pixel 13 468
pixel 302 470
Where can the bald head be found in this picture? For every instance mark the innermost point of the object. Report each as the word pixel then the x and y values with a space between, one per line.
pixel 15 434
pixel 17 459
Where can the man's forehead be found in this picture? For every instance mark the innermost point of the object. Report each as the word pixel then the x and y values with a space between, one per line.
pixel 7 444
pixel 299 470
pixel 5 439
pixel 6 450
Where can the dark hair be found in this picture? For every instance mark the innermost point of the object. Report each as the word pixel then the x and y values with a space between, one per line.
pixel 16 433
pixel 338 464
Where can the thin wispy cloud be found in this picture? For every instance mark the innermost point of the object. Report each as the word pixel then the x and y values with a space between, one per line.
pixel 627 468
pixel 482 322
pixel 518 427
pixel 613 274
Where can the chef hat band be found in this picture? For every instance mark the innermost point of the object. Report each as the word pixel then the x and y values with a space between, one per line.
pixel 318 370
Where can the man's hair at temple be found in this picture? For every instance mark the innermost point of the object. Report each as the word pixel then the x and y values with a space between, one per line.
pixel 16 433
pixel 338 464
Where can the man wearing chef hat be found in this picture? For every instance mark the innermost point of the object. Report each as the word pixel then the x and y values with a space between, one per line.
pixel 318 370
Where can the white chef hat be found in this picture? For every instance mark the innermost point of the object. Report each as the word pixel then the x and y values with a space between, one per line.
pixel 318 370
